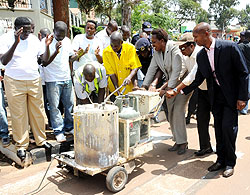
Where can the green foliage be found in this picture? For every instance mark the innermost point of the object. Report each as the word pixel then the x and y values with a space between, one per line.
pixel 223 12
pixel 187 10
pixel 99 28
pixel 244 17
pixel 202 16
pixel 87 5
pixel 143 12
pixel 105 7
pixel 77 30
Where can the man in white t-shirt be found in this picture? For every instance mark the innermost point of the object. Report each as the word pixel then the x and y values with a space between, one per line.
pixel 89 43
pixel 104 35
pixel 20 50
pixel 41 35
pixel 58 80
pixel 90 82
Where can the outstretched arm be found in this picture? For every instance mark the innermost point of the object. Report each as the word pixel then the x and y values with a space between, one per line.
pixel 130 76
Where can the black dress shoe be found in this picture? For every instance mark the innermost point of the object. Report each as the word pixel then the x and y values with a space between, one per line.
pixel 215 167
pixel 203 152
pixel 229 171
pixel 182 148
pixel 21 154
pixel 48 150
pixel 175 147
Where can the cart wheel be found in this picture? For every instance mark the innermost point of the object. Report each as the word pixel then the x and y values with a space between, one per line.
pixel 116 179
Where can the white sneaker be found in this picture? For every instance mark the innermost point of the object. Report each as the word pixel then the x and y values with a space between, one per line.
pixel 60 138
pixel 69 132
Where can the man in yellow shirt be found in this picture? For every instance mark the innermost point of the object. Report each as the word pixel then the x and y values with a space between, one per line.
pixel 121 63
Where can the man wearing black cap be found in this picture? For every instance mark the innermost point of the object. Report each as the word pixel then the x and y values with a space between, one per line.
pixel 242 37
pixel 147 28
pixel 189 50
pixel 145 53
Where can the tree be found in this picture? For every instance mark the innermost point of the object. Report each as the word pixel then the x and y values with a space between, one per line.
pixel 185 10
pixel 202 16
pixel 244 17
pixel 87 5
pixel 126 6
pixel 105 7
pixel 158 5
pixel 61 14
pixel 144 12
pixel 102 7
pixel 223 12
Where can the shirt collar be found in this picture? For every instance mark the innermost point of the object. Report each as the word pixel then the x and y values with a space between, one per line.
pixel 212 46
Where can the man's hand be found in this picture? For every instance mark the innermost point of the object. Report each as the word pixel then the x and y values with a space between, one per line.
pixel 1 78
pixel 87 49
pixel 58 46
pixel 241 104
pixel 126 81
pixel 80 53
pixel 170 93
pixel 152 88
pixel 48 40
pixel 18 34
pixel 135 88
pixel 142 89
pixel 97 51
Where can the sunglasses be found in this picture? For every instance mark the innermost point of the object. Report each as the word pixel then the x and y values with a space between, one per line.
pixel 182 48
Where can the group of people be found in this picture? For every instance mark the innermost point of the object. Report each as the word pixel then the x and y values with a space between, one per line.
pixel 95 62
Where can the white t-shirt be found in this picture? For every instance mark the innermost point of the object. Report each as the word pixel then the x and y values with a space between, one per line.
pixel 79 89
pixel 103 36
pixel 81 41
pixel 58 69
pixel 23 65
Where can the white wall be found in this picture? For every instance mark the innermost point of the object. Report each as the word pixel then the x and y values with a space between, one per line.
pixel 41 20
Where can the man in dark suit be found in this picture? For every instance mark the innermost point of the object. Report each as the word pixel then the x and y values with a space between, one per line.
pixel 224 68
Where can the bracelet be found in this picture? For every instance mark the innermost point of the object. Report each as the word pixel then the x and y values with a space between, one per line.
pixel 175 90
pixel 153 85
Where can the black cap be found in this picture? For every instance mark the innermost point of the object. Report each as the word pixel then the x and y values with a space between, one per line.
pixel 147 26
pixel 142 44
pixel 242 33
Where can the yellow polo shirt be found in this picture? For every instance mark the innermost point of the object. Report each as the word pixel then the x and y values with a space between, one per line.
pixel 120 67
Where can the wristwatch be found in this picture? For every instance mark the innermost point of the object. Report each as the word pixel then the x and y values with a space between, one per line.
pixel 175 90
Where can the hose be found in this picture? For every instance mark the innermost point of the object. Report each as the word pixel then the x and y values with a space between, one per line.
pixel 37 189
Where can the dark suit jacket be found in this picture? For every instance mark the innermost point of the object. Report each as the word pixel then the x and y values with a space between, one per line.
pixel 230 69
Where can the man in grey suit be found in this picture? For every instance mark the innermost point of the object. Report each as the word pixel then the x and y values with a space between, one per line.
pixel 167 60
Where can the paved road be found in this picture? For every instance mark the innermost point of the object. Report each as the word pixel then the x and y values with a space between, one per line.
pixel 157 172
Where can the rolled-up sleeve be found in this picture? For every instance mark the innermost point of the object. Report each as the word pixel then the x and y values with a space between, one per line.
pixel 191 76
pixel 104 81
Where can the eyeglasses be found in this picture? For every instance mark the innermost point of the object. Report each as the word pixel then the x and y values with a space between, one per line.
pixel 182 48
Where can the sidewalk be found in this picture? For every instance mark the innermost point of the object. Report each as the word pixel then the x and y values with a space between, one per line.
pixel 157 172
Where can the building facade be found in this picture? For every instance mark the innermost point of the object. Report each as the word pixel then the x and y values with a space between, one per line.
pixel 41 11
